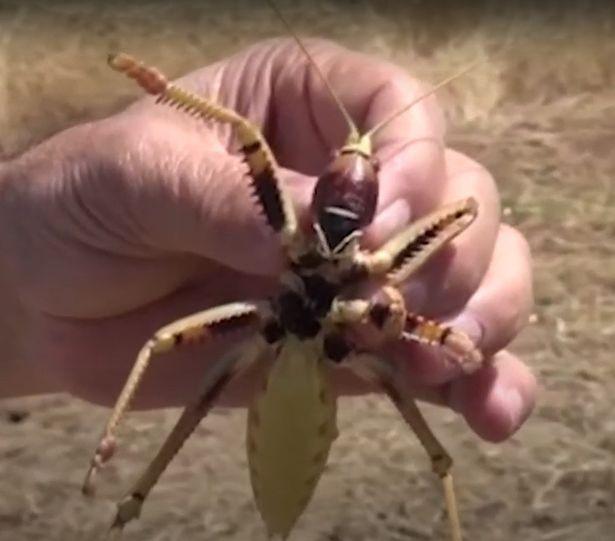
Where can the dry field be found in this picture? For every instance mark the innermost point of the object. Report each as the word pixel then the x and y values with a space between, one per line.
pixel 541 117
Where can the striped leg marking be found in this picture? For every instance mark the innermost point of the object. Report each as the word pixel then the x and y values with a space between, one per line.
pixel 407 251
pixel 383 374
pixel 456 344
pixel 272 197
pixel 218 376
pixel 196 328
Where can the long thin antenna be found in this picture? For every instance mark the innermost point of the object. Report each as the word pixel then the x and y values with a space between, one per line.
pixel 421 97
pixel 354 132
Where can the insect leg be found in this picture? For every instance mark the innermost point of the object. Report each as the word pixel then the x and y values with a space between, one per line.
pixel 382 373
pixel 384 318
pixel 272 197
pixel 215 381
pixel 195 328
pixel 401 256
pixel 458 345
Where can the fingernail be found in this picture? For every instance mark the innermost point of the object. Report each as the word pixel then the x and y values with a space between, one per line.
pixel 513 402
pixel 415 294
pixel 390 221
pixel 469 325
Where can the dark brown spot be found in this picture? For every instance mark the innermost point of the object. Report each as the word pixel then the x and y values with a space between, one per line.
pixel 138 496
pixel 309 260
pixel 379 313
pixel 355 273
pixel 251 148
pixel 272 332
pixel 17 416
pixel 412 322
pixel 335 346
pixel 296 317
pixel 445 333
pixel 320 293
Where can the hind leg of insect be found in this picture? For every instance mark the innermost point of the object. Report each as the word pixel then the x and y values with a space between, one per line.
pixel 199 327
pixel 382 374
pixel 386 318
pixel 272 197
pixel 216 379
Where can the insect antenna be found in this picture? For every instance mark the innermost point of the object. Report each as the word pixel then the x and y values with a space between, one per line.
pixel 421 97
pixel 354 134
pixel 355 138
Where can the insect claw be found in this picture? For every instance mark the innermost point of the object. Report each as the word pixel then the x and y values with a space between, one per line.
pixel 88 489
pixel 104 452
pixel 127 510
pixel 463 350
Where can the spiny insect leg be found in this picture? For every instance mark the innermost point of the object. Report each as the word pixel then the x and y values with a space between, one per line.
pixel 217 377
pixel 199 327
pixel 458 345
pixel 273 199
pixel 401 256
pixel 382 373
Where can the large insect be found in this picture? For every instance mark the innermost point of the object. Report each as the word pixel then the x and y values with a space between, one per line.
pixel 303 333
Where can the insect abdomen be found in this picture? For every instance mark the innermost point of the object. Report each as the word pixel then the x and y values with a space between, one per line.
pixel 291 427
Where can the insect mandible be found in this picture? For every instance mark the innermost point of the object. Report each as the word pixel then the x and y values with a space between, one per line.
pixel 302 331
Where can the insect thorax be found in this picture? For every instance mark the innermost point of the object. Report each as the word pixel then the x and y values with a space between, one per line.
pixel 306 299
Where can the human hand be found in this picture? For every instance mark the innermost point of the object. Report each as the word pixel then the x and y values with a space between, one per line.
pixel 114 228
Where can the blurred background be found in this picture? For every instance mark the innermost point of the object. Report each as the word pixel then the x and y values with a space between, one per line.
pixel 540 116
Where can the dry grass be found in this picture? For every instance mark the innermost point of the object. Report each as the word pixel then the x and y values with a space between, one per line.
pixel 540 115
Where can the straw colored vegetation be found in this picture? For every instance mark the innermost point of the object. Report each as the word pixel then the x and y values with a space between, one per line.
pixel 540 115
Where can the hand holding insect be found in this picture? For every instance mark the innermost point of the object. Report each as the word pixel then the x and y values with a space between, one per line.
pixel 171 201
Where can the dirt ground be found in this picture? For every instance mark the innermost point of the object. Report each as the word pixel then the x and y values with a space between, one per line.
pixel 540 116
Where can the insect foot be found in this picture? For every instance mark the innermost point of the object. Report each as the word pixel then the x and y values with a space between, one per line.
pixel 463 350
pixel 104 452
pixel 127 510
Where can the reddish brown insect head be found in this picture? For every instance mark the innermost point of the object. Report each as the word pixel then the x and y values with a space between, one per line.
pixel 344 199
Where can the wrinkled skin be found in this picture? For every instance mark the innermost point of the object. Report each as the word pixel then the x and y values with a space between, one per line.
pixel 113 228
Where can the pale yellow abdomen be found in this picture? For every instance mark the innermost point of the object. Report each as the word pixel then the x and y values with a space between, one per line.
pixel 291 427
